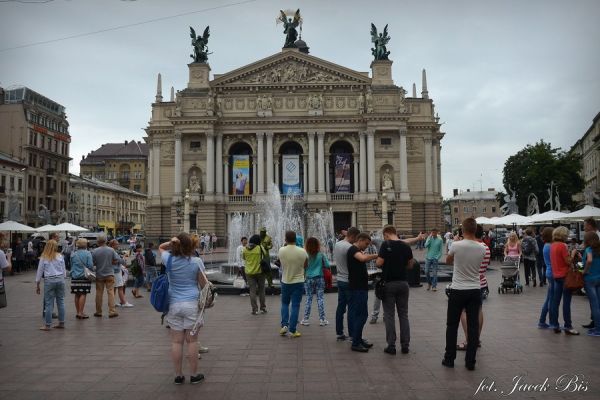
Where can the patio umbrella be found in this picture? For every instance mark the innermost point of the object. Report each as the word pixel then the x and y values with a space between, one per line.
pixel 46 228
pixel 67 227
pixel 483 221
pixel 513 219
pixel 13 226
pixel 547 216
pixel 585 212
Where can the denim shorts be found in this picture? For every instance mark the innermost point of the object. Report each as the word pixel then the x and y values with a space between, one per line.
pixel 182 315
pixel 138 281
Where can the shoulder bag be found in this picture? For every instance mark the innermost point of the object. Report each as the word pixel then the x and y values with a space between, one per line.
pixel 327 275
pixel 573 280
pixel 87 273
pixel 380 284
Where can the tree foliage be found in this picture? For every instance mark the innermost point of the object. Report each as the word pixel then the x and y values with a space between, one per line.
pixel 533 168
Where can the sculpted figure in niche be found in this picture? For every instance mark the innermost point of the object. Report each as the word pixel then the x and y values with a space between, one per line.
pixel 369 98
pixel 387 181
pixel 361 103
pixel 194 183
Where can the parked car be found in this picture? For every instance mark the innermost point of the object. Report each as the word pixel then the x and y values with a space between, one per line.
pixel 91 237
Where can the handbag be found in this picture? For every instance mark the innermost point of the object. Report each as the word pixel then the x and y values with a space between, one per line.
pixel 573 280
pixel 265 265
pixel 380 286
pixel 327 275
pixel 238 282
pixel 89 274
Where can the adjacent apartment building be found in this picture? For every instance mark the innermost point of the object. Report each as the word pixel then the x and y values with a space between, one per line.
pixel 13 191
pixel 124 163
pixel 588 149
pixel 34 131
pixel 473 204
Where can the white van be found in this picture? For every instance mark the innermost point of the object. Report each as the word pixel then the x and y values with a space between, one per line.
pixel 91 237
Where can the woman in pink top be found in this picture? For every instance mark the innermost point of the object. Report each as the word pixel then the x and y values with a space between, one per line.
pixel 512 248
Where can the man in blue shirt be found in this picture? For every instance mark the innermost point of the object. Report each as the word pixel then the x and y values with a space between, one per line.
pixel 433 244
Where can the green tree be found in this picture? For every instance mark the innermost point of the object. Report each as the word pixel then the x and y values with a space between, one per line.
pixel 533 168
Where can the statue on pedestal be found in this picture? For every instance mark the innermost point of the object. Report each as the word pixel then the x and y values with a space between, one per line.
pixel 200 44
pixel 194 183
pixel 387 181
pixel 289 27
pixel 380 41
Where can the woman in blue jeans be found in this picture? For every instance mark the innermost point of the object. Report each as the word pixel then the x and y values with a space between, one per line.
pixel 314 281
pixel 591 277
pixel 52 268
pixel 547 239
pixel 561 262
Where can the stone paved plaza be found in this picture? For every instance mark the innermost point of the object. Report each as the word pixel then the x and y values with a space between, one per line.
pixel 128 357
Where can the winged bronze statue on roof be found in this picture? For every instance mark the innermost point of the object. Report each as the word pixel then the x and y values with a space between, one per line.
pixel 289 27
pixel 380 40
pixel 200 45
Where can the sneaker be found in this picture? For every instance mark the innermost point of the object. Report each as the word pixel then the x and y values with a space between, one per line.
pixel 360 348
pixel 367 344
pixel 283 331
pixel 179 380
pixel 196 379
pixel 254 312
pixel 263 311
pixel 543 325
pixel 323 322
pixel 244 294
pixel 470 367
pixel 390 350
pixel 127 305
pixel 434 289
pixel 118 305
pixel 202 349
pixel 304 322
pixel 448 363
pixel 589 326
pixel 97 315
pixel 294 335
pixel 571 331
pixel 373 320
pixel 341 338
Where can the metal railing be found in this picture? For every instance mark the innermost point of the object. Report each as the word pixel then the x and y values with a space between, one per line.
pixel 341 196
pixel 235 198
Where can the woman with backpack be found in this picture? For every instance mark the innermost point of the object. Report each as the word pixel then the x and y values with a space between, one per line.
pixel 185 273
pixel 314 280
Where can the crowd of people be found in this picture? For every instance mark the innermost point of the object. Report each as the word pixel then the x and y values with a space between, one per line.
pixel 303 271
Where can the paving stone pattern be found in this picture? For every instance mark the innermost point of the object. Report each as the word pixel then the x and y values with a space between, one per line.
pixel 128 357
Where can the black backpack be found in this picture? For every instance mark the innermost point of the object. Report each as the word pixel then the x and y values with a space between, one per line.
pixel 527 246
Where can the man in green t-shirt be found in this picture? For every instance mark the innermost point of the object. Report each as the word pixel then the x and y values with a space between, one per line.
pixel 433 245
pixel 252 255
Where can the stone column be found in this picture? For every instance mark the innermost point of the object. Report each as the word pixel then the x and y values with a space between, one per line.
pixel 428 172
pixel 261 162
pixel 210 162
pixel 304 174
pixel 156 171
pixel 269 160
pixel 276 166
pixel 186 213
pixel 226 177
pixel 436 176
pixel 178 156
pixel 321 161
pixel 363 162
pixel 311 162
pixel 219 163
pixel 403 165
pixel 149 172
pixel 355 174
pixel 327 183
pixel 254 174
pixel 371 160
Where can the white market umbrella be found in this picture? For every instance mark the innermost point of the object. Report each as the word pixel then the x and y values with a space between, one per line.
pixel 483 221
pixel 547 216
pixel 13 226
pixel 513 219
pixel 67 227
pixel 46 228
pixel 585 212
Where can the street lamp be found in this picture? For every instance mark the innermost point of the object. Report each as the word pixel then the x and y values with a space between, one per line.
pixel 178 211
pixel 385 208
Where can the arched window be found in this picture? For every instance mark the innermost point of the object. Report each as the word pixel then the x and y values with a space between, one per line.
pixel 240 167
pixel 341 167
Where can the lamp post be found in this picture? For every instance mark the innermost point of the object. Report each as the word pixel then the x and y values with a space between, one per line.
pixel 186 211
pixel 178 211
pixel 385 209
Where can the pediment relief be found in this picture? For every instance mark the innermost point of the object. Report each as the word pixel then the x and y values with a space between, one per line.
pixel 291 69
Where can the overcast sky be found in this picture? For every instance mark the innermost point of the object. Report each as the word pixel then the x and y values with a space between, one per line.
pixel 501 73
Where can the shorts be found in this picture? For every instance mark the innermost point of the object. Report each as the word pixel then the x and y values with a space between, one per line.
pixel 138 281
pixel 119 279
pixel 182 315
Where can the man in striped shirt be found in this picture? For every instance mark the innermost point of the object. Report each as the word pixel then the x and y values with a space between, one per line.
pixel 483 283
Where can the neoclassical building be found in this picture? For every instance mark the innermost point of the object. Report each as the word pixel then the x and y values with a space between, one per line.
pixel 338 138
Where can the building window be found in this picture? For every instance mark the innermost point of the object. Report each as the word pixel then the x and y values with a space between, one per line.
pixel 386 141
pixel 12 183
pixel 466 209
pixel 3 181
pixel 195 145
pixel 455 221
pixel 493 209
pixel 484 210
pixel 455 210
pixel 474 209
pixel 20 185
pixel 41 183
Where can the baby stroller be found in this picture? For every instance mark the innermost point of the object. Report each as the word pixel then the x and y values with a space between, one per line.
pixel 510 276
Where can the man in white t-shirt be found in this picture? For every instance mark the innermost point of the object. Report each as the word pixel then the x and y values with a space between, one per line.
pixel 239 259
pixel 4 265
pixel 465 293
